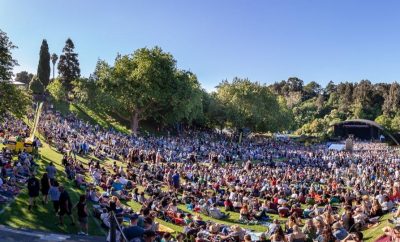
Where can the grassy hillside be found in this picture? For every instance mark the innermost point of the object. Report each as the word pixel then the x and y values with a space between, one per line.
pixel 17 215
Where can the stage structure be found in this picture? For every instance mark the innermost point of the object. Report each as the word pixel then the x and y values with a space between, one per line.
pixel 362 129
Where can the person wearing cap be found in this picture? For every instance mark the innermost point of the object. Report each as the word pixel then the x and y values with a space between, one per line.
pixel 134 230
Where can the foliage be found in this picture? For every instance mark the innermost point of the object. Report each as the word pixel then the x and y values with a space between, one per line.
pixel 146 85
pixel 6 60
pixel 250 105
pixel 339 102
pixel 43 71
pixel 384 120
pixel 57 91
pixel 68 65
pixel 13 100
pixel 23 77
pixel 36 86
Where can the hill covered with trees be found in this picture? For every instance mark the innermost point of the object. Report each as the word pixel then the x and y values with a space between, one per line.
pixel 315 108
pixel 147 86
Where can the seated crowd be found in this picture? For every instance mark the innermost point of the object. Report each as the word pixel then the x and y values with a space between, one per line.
pixel 295 192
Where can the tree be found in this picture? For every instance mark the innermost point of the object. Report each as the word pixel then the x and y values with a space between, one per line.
pixel 68 65
pixel 43 71
pixel 36 86
pixel 13 100
pixel 384 120
pixel 345 96
pixel 311 90
pixel 392 100
pixel 214 110
pixel 146 84
pixel 396 123
pixel 249 105
pixel 23 77
pixel 6 60
pixel 57 90
pixel 54 59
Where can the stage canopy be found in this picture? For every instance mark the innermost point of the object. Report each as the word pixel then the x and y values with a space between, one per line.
pixel 362 129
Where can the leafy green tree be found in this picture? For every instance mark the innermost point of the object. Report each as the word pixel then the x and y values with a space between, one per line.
pixel 186 103
pixel 330 88
pixel 68 65
pixel 146 85
pixel 23 77
pixel 214 110
pixel 311 90
pixel 36 86
pixel 249 104
pixel 13 100
pixel 396 123
pixel 392 100
pixel 345 97
pixel 57 90
pixel 85 90
pixel 384 120
pixel 43 71
pixel 6 60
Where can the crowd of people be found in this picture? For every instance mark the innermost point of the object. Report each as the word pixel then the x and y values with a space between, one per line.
pixel 292 191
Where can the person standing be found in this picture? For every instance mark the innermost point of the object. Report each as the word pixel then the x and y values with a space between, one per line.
pixel 33 190
pixel 65 205
pixel 51 171
pixel 55 195
pixel 176 180
pixel 82 215
pixel 45 186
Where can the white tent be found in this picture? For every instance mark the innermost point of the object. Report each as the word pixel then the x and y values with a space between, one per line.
pixel 337 147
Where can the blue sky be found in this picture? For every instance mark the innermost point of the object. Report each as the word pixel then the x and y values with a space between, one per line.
pixel 264 40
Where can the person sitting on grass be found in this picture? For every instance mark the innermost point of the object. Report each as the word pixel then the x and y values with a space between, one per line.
pixel 216 213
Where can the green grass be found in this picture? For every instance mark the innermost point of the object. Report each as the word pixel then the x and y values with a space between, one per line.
pixel 17 215
pixel 92 115
pixel 43 217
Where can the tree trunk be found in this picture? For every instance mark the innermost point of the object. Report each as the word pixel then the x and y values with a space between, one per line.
pixel 134 123
pixel 53 70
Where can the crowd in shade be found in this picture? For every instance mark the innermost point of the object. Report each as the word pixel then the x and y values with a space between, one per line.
pixel 211 185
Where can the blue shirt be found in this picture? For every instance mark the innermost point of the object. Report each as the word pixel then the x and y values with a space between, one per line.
pixel 340 234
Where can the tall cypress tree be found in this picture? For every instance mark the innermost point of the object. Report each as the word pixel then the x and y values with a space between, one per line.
pixel 43 71
pixel 68 64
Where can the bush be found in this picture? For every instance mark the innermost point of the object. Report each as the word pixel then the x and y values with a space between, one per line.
pixel 36 86
pixel 57 90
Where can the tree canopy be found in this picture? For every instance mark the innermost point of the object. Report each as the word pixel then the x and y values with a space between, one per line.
pixel 12 99
pixel 68 65
pixel 7 62
pixel 251 105
pixel 43 70
pixel 36 86
pixel 23 77
pixel 147 84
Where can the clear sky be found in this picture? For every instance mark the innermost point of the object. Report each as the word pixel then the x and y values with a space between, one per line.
pixel 264 40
